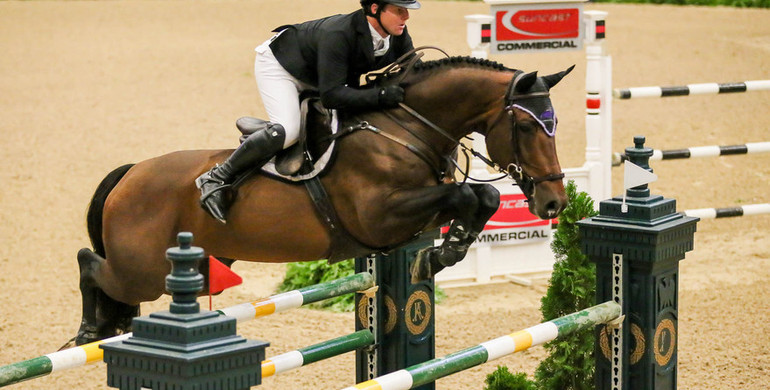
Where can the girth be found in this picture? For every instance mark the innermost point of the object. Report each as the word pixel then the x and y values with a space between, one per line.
pixel 343 245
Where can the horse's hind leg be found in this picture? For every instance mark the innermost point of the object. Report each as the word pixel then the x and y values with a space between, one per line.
pixel 88 331
pixel 103 316
pixel 113 317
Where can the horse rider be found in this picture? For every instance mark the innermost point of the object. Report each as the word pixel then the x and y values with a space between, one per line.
pixel 328 55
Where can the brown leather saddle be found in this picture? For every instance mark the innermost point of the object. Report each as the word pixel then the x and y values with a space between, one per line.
pixel 302 162
pixel 297 158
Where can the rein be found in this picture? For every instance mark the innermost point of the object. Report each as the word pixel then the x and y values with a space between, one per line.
pixel 528 182
pixel 455 144
pixel 404 65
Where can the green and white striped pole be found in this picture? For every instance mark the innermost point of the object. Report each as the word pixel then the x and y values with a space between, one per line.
pixel 297 298
pixel 57 361
pixel 91 353
pixel 324 350
pixel 431 370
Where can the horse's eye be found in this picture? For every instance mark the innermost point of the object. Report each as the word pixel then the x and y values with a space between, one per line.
pixel 526 127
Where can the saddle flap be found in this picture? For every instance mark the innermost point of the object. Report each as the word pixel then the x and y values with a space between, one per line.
pixel 248 125
pixel 287 161
pixel 290 160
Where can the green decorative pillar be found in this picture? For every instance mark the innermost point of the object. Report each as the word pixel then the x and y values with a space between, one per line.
pixel 637 250
pixel 401 315
pixel 184 348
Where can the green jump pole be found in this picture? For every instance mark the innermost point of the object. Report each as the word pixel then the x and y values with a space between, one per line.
pixel 324 350
pixel 91 353
pixel 431 370
pixel 297 298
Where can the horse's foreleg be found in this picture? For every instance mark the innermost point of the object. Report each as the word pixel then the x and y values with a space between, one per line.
pixel 478 203
pixel 488 203
pixel 463 233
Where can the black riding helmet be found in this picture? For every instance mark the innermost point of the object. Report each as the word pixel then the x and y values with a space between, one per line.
pixel 408 4
pixel 366 4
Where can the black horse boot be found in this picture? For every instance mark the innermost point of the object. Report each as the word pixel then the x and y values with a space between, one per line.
pixel 254 152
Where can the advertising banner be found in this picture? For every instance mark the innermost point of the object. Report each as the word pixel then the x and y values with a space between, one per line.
pixel 536 27
pixel 513 224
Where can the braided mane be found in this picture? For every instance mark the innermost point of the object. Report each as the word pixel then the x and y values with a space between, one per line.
pixel 459 61
pixel 424 69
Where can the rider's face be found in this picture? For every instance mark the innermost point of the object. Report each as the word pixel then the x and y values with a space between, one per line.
pixel 394 19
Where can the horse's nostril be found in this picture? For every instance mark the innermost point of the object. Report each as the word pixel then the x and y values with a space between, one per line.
pixel 553 208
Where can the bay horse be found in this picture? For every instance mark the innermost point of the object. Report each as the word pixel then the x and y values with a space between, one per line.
pixel 386 183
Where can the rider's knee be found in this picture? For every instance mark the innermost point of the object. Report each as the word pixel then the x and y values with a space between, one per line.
pixel 291 130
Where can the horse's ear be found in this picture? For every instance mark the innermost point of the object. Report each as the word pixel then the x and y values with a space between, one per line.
pixel 553 79
pixel 524 82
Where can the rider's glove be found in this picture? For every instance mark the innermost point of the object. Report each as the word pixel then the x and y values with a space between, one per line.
pixel 390 96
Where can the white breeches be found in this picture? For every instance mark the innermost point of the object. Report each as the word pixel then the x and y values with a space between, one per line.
pixel 280 92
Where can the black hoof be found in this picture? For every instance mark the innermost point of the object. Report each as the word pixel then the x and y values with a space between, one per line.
pixel 425 265
pixel 86 334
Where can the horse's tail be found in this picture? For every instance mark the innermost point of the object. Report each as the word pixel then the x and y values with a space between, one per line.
pixel 96 207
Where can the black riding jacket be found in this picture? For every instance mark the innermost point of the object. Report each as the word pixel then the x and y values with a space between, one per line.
pixel 332 53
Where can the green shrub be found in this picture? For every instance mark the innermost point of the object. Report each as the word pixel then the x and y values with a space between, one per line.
pixel 570 364
pixel 307 273
pixel 502 379
pixel 572 287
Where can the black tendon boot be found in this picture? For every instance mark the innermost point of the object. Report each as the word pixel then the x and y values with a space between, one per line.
pixel 254 152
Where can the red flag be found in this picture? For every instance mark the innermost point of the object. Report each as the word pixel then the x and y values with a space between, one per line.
pixel 221 277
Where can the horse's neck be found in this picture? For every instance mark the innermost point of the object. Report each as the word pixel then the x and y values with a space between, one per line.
pixel 459 99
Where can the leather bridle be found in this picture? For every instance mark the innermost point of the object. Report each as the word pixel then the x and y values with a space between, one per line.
pixel 526 182
pixel 429 154
pixel 514 169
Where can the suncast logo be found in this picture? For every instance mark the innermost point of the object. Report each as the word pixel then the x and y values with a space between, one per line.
pixel 513 213
pixel 541 24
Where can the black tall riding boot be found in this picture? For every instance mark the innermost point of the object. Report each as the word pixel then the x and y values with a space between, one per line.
pixel 254 152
